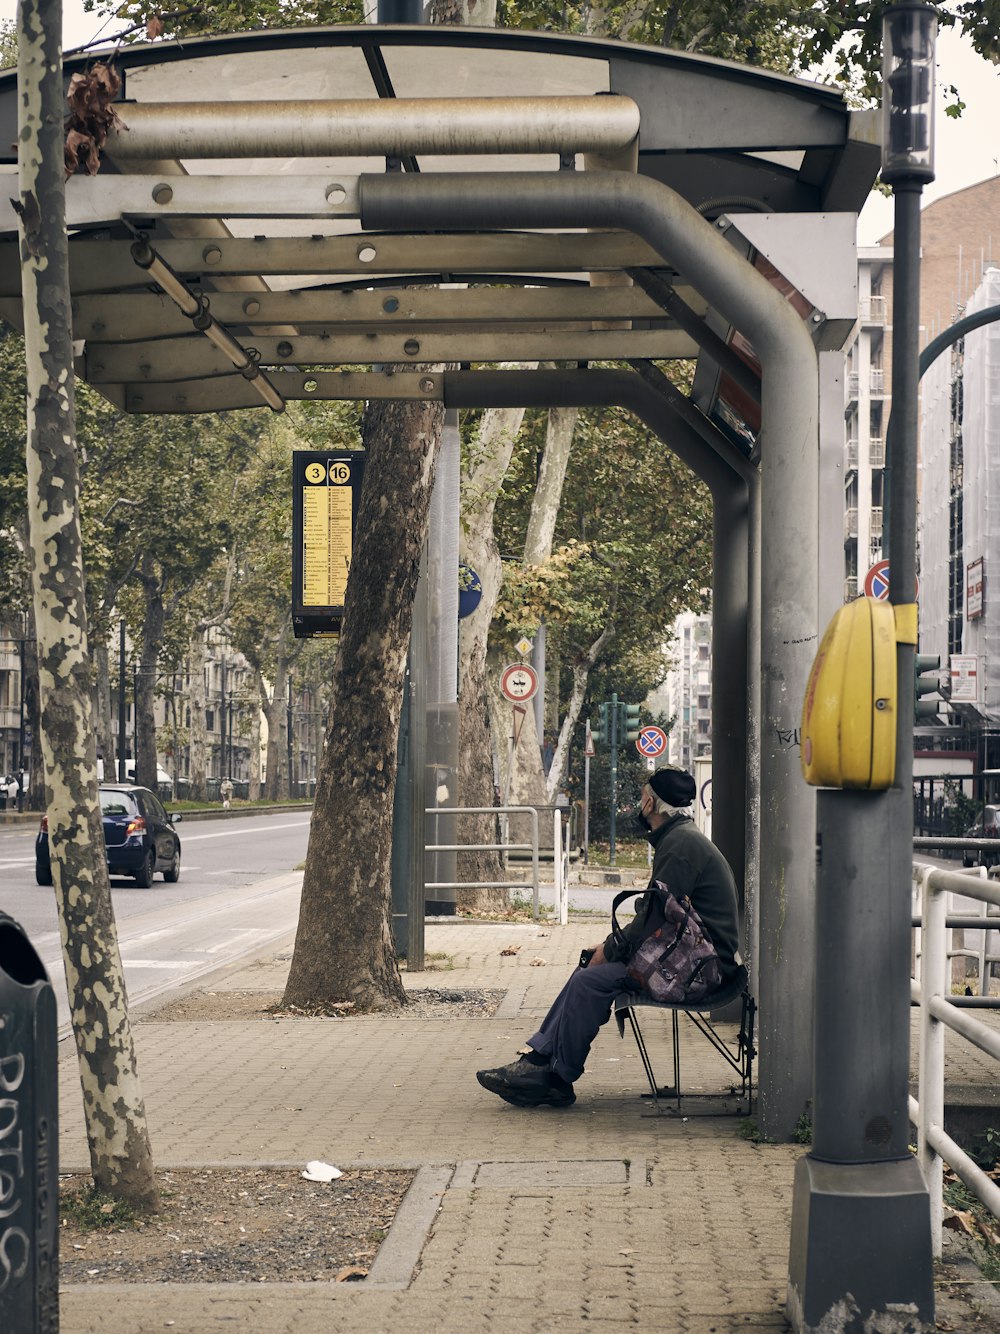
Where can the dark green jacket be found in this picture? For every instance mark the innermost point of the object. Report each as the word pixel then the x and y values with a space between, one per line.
pixel 689 864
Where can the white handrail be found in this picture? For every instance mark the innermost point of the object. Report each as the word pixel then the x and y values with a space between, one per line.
pixel 934 1145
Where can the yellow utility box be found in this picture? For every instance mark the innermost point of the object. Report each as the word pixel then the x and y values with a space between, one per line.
pixel 849 715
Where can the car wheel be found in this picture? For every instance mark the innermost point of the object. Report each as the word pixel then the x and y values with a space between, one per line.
pixel 144 875
pixel 173 872
pixel 42 877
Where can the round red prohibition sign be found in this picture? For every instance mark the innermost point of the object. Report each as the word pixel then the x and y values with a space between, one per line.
pixel 652 741
pixel 518 682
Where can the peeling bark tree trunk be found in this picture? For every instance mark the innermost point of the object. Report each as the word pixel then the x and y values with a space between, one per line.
pixel 581 675
pixel 254 743
pixel 343 948
pixel 490 458
pixel 537 549
pixel 274 704
pixel 145 686
pixel 197 737
pixel 116 1120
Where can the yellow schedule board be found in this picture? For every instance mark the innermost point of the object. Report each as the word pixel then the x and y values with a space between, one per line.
pixel 327 489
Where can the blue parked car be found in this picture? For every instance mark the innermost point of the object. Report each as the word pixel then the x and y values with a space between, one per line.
pixel 139 837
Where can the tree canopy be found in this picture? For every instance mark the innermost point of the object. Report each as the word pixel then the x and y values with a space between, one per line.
pixel 844 38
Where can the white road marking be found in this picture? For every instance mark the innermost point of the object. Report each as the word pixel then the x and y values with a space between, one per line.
pixel 251 933
pixel 238 833
pixel 159 963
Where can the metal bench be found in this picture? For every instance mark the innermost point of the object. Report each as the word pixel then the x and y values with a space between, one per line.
pixel 627 1003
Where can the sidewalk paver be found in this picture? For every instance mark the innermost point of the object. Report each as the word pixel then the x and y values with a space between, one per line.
pixel 628 1219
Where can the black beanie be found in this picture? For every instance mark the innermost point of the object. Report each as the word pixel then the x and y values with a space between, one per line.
pixel 674 786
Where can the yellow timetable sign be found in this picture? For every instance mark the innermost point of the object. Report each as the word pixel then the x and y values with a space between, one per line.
pixel 327 491
pixel 327 544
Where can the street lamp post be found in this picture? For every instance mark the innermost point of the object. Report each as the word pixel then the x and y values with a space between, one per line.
pixel 861 1253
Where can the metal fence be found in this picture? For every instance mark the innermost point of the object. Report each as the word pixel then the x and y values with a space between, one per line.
pixel 940 1010
pixel 504 846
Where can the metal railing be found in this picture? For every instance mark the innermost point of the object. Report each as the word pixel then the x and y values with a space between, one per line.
pixel 502 846
pixel 938 1010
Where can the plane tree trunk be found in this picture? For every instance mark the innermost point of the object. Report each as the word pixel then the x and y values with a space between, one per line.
pixel 344 949
pixel 489 458
pixel 120 1155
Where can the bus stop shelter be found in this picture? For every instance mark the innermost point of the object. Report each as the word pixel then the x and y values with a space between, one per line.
pixel 283 214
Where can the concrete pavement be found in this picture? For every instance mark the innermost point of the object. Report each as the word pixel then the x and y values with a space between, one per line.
pixel 604 1213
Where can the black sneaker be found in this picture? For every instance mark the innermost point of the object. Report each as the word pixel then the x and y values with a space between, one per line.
pixel 524 1084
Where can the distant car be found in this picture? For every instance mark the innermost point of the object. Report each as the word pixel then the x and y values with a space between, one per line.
pixel 139 837
pixel 9 788
pixel 987 826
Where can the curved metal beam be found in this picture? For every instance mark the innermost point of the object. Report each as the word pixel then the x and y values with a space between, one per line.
pixel 789 553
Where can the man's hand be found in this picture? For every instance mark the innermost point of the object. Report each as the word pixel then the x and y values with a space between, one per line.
pixel 598 956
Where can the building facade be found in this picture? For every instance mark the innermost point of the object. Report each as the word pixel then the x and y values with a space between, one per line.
pixel 688 690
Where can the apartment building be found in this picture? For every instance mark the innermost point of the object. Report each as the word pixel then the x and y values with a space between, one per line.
pixel 687 693
pixel 960 237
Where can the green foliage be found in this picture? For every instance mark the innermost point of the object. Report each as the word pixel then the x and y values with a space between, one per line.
pixel 751 1131
pixel 211 16
pixel 90 1210
pixel 843 38
pixel 802 1132
pixel 960 811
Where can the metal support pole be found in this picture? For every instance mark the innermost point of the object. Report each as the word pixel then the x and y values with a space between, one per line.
pixel 122 742
pixel 288 733
pixel 861 1215
pixel 417 749
pixel 558 886
pixel 223 772
pixel 613 754
pixel 789 500
pixel 586 807
pixel 933 982
pixel 538 662
pixel 21 766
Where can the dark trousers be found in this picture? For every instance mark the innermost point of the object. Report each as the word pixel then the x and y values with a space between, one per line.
pixel 575 1016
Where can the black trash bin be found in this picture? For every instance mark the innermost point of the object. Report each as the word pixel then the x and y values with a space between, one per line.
pixel 29 1167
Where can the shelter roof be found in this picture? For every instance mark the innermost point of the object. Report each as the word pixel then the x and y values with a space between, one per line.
pixel 239 167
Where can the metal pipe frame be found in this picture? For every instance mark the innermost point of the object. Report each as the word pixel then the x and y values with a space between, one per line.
pixel 196 309
pixel 788 506
pixel 607 123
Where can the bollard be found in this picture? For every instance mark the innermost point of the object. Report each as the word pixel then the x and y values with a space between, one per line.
pixel 29 1177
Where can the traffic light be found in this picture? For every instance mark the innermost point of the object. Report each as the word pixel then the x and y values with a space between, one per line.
pixel 926 667
pixel 603 728
pixel 632 726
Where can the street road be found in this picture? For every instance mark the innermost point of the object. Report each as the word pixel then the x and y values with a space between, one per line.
pixel 238 891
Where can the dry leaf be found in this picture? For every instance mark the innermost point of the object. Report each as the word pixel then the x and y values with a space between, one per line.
pixel 538 963
pixel 154 27
pixel 350 1274
pixel 991 1235
pixel 959 1220
pixel 510 949
pixel 92 114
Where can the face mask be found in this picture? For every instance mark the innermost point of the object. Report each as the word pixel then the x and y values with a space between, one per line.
pixel 642 824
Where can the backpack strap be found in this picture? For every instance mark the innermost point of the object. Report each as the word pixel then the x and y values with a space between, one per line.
pixel 616 930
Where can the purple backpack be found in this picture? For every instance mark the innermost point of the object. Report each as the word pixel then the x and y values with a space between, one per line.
pixel 676 963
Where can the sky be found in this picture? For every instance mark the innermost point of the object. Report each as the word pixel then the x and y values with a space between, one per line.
pixel 966 150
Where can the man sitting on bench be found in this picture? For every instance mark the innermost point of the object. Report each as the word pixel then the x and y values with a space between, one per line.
pixel 689 864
